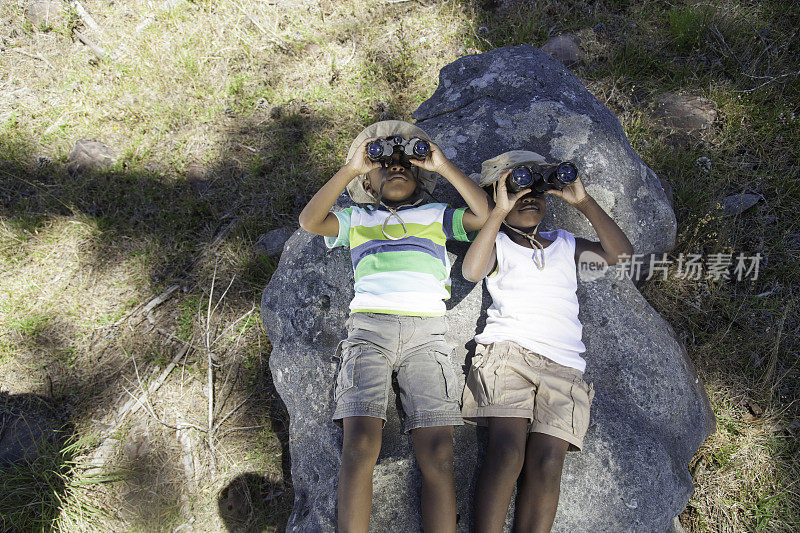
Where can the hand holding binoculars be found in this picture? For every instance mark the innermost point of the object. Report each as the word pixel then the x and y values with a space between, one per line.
pixel 541 178
pixel 382 150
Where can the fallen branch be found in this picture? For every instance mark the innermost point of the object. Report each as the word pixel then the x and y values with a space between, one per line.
pixel 130 407
pixel 86 18
pixel 96 50
pixel 160 299
pixel 34 56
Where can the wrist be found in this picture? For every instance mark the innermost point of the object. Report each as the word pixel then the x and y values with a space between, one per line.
pixel 584 202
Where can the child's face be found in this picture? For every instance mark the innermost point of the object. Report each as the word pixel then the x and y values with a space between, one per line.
pixel 400 182
pixel 527 212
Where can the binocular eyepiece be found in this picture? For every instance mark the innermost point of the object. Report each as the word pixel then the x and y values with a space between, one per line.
pixel 541 178
pixel 384 149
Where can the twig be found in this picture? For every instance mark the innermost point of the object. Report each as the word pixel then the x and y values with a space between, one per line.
pixel 36 56
pixel 131 406
pixel 96 50
pixel 224 418
pixel 240 429
pixel 160 299
pixel 211 368
pixel 87 18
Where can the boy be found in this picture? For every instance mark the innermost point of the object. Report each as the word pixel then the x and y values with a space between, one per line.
pixel 397 320
pixel 525 381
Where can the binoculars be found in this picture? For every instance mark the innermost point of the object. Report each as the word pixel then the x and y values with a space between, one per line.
pixel 384 149
pixel 540 178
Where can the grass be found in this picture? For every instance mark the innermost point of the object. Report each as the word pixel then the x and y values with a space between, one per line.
pixel 52 491
pixel 227 116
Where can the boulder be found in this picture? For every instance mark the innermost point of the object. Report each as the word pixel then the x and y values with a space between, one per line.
pixel 650 412
pixel 520 98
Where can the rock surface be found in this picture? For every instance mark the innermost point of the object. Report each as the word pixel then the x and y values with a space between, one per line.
pixel 88 156
pixel 521 98
pixel 650 412
pixel 685 113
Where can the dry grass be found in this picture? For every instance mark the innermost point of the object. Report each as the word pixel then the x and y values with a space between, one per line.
pixel 256 102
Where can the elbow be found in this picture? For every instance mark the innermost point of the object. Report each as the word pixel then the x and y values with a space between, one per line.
pixel 304 221
pixel 623 255
pixel 470 275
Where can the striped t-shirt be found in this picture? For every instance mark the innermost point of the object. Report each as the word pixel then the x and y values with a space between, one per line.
pixel 409 276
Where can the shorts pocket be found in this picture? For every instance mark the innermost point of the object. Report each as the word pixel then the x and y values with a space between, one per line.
pixel 449 379
pixel 582 396
pixel 346 378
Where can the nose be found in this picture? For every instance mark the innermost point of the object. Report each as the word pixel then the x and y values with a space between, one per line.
pixel 396 164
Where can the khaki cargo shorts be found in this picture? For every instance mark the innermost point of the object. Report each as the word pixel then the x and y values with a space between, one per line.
pixel 507 380
pixel 414 347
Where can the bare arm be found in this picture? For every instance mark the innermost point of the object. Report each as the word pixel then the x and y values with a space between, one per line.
pixel 613 242
pixel 316 216
pixel 481 256
pixel 478 201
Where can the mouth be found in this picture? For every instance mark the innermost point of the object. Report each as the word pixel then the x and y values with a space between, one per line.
pixel 530 207
pixel 397 176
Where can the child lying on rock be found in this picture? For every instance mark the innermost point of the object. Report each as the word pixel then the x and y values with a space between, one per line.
pixel 525 381
pixel 397 324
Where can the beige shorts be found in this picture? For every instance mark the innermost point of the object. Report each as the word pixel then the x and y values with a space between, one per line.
pixel 380 345
pixel 507 380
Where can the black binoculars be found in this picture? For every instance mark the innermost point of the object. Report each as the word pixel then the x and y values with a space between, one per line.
pixel 384 149
pixel 541 178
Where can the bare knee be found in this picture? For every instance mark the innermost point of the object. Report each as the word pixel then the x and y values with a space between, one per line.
pixel 545 463
pixel 506 455
pixel 433 448
pixel 362 441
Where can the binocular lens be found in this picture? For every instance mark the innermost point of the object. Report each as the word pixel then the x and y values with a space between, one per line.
pixel 422 148
pixel 521 177
pixel 374 149
pixel 567 173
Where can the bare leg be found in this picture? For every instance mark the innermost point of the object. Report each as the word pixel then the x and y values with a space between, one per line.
pixel 501 467
pixel 540 483
pixel 360 449
pixel 434 450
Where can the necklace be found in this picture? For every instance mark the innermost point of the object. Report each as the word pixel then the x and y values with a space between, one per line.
pixel 538 249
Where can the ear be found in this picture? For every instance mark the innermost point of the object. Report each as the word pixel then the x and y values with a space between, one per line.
pixel 367 187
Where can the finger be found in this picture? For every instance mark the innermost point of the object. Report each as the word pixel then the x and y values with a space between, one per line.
pixel 520 194
pixel 555 192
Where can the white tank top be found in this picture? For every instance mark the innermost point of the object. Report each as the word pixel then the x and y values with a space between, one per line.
pixel 537 309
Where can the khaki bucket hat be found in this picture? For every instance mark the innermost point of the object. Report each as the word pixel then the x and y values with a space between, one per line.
pixel 427 179
pixel 491 169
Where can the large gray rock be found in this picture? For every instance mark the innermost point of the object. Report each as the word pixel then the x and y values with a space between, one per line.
pixel 521 98
pixel 650 413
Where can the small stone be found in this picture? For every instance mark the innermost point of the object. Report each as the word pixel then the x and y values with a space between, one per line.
pixel 276 112
pixel 703 163
pixel 305 110
pixel 483 31
pixel 89 156
pixel 271 243
pixel 45 13
pixel 737 203
pixel 755 409
pixel 564 48
pixel 686 113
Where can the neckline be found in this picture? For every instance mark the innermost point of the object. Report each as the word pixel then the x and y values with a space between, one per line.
pixel 545 234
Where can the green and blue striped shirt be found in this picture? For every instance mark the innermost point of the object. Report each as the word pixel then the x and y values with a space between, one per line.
pixel 408 276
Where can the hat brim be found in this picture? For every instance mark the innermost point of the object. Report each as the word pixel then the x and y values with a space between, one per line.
pixel 425 178
pixel 493 168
